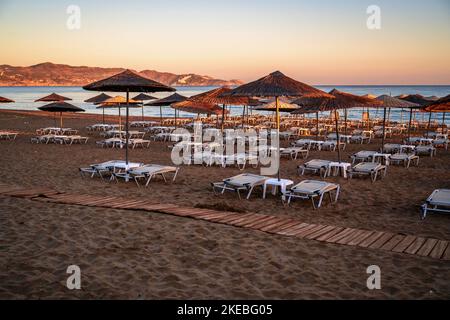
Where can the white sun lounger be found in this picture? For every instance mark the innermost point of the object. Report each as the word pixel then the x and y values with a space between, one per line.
pixel 315 166
pixel 332 145
pixel 7 135
pixel 391 148
pixel 425 150
pixel 243 182
pixel 311 189
pixel 363 156
pixel 293 152
pixel 148 172
pixel 371 169
pixel 438 201
pixel 404 158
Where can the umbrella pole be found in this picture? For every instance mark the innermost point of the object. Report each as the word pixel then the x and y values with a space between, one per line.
pixel 223 117
pixel 345 123
pixel 120 123
pixel 409 124
pixel 384 130
pixel 243 117
pixel 160 114
pixel 60 119
pixel 337 135
pixel 429 124
pixel 103 115
pixel 142 110
pixel 368 119
pixel 443 122
pixel 317 126
pixel 278 136
pixel 389 116
pixel 175 118
pixel 126 130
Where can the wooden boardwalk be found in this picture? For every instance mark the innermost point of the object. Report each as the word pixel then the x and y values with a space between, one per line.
pixel 286 226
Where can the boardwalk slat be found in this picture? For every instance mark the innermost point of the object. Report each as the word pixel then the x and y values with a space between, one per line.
pixel 264 223
pixel 303 230
pixel 382 240
pixel 360 238
pixel 320 232
pixel 427 247
pixel 293 229
pixel 371 239
pixel 446 255
pixel 340 235
pixel 405 243
pixel 287 223
pixel 328 235
pixel 257 220
pixel 230 217
pixel 351 236
pixel 415 246
pixel 393 242
pixel 287 226
pixel 282 221
pixel 305 233
pixel 439 249
pixel 243 219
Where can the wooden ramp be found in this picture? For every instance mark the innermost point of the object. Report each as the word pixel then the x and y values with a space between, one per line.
pixel 281 225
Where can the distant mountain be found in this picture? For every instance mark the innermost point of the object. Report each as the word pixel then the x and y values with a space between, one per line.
pixel 50 74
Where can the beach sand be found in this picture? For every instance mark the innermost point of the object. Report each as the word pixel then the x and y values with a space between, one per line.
pixel 135 254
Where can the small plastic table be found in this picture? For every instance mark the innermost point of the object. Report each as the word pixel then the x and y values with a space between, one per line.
pixel 274 182
pixel 381 155
pixel 335 167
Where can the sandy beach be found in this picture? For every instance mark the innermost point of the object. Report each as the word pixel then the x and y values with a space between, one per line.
pixel 141 255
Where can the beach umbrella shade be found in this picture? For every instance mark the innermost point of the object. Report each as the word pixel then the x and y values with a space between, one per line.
pixel 197 107
pixel 219 96
pixel 276 85
pixel 338 100
pixel 99 99
pixel 5 100
pixel 52 98
pixel 60 107
pixel 419 100
pixel 167 101
pixel 118 102
pixel 389 102
pixel 440 105
pixel 143 97
pixel 127 81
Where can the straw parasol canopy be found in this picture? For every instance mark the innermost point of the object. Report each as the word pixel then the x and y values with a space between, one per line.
pixel 98 99
pixel 60 107
pixel 119 101
pixel 144 97
pixel 53 98
pixel 5 100
pixel 415 98
pixel 283 106
pixel 167 101
pixel 440 105
pixel 197 107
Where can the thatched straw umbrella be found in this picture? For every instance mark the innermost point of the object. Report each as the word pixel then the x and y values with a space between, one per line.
pixel 276 85
pixel 60 107
pixel 118 102
pixel 99 99
pixel 127 81
pixel 339 100
pixel 419 100
pixel 389 102
pixel 54 97
pixel 167 101
pixel 143 97
pixel 219 96
pixel 440 105
pixel 198 108
pixel 5 100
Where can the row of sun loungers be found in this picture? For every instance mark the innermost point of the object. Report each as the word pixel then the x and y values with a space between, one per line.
pixel 307 189
pixel 8 135
pixel 60 139
pixel 137 172
pixel 120 143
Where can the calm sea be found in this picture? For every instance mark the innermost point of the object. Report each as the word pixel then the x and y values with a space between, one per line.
pixel 25 96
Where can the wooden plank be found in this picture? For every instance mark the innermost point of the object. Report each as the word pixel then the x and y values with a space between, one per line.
pixel 256 221
pixel 245 219
pixel 320 232
pixel 415 246
pixel 305 233
pixel 282 221
pixel 446 255
pixel 293 229
pixel 230 217
pixel 357 240
pixel 382 240
pixel 351 236
pixel 101 202
pixel 264 223
pixel 328 235
pixel 162 208
pixel 371 239
pixel 425 250
pixel 302 230
pixel 393 242
pixel 405 243
pixel 287 223
pixel 439 249
pixel 340 235
pixel 214 216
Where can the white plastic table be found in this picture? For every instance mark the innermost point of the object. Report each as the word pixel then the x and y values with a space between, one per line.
pixel 334 167
pixel 274 182
pixel 382 155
